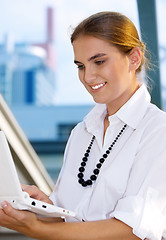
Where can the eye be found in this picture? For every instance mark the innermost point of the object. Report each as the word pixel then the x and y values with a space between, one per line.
pixel 80 67
pixel 99 62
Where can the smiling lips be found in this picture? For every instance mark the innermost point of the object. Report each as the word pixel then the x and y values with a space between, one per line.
pixel 98 86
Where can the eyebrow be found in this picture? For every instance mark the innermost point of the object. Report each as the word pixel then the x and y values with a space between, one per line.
pixel 92 58
pixel 96 56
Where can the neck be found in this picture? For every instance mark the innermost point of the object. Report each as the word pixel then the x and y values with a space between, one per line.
pixel 113 107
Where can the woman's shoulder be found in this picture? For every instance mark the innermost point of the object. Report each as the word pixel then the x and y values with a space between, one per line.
pixel 156 113
pixel 79 127
pixel 154 119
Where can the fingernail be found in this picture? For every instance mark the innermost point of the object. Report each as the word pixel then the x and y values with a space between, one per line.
pixel 3 205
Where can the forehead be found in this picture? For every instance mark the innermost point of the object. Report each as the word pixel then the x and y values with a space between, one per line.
pixel 87 46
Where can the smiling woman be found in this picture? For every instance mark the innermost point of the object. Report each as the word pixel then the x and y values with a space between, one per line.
pixel 113 174
pixel 107 73
pixel 119 49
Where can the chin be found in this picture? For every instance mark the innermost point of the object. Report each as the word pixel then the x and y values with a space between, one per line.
pixel 101 101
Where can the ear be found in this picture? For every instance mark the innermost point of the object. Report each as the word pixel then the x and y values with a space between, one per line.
pixel 134 59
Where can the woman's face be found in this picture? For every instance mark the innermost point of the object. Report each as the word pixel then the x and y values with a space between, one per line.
pixel 105 72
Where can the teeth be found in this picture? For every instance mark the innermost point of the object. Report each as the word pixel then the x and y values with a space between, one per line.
pixel 98 86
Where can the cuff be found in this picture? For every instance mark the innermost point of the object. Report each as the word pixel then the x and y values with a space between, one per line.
pixel 144 216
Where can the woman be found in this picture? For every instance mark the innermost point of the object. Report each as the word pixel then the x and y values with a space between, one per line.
pixel 113 174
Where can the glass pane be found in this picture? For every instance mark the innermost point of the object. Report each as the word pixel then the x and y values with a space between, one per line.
pixel 161 10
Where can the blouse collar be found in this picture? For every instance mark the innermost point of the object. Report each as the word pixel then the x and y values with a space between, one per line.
pixel 130 113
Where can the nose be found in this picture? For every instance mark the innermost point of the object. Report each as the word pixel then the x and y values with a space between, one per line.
pixel 89 75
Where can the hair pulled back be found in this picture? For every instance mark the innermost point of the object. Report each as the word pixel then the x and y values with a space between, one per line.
pixel 113 27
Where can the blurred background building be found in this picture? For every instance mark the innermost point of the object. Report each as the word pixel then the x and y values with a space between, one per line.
pixel 27 70
pixel 34 76
pixel 28 85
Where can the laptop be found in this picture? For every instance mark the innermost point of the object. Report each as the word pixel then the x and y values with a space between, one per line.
pixel 10 188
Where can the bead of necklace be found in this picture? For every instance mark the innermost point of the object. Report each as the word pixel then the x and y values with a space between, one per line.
pixel 96 171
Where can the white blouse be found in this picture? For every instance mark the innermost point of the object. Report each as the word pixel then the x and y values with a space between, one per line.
pixel 131 185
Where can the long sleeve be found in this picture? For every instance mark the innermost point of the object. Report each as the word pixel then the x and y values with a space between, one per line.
pixel 143 206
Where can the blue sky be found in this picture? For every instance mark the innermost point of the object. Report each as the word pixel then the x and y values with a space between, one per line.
pixel 25 20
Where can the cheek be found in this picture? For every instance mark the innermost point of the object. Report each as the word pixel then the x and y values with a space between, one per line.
pixel 115 73
pixel 108 74
pixel 80 75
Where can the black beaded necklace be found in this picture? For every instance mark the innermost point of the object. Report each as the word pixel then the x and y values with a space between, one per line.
pixel 96 171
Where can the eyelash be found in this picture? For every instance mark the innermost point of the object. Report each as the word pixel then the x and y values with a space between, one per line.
pixel 99 62
pixel 81 67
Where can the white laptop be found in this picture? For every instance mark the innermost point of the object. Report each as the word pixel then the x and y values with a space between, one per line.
pixel 10 188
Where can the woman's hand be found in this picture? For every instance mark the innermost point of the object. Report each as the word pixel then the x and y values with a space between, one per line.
pixel 36 193
pixel 21 221
pixel 28 224
pixel 24 222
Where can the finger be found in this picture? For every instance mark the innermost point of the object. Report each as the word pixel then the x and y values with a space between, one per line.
pixel 24 186
pixel 27 188
pixel 32 190
pixel 3 217
pixel 36 193
pixel 17 220
pixel 5 220
pixel 11 212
